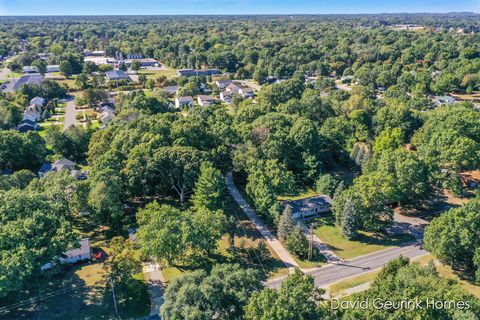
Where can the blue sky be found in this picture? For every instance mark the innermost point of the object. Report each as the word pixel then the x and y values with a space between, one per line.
pixel 167 7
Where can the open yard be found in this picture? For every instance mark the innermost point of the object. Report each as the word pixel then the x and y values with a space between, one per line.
pixel 367 242
pixel 153 74
pixel 78 293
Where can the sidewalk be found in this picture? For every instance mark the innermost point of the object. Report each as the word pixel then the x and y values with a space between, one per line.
pixel 274 243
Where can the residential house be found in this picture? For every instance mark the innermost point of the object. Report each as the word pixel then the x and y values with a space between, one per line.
pixel 31 79
pixel 243 91
pixel 27 125
pixel 171 90
pixel 98 53
pixel 197 72
pixel 32 115
pixel 82 253
pixel 116 75
pixel 205 101
pixel 309 207
pixel 53 68
pixel 60 165
pixel 143 62
pixel 346 79
pixel 37 103
pixel 106 115
pixel 226 96
pixel 181 102
pixel 446 100
pixel 30 69
pixel 221 84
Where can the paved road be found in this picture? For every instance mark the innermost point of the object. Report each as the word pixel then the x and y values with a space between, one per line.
pixel 70 115
pixel 329 274
pixel 276 245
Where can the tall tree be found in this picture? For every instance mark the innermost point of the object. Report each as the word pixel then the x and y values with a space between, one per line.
pixel 221 294
pixel 209 188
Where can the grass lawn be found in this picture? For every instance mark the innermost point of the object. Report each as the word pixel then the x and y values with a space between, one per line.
pixel 153 74
pixel 246 251
pixel 305 193
pixel 317 261
pixel 367 242
pixel 81 292
pixel 352 282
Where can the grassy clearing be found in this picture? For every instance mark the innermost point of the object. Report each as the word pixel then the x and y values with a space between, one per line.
pixel 153 74
pixel 367 242
pixel 302 193
pixel 340 286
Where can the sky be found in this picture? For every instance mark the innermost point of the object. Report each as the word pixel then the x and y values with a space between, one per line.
pixel 182 7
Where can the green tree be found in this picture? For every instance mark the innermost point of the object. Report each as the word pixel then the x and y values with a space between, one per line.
pixel 326 184
pixel 66 68
pixel 135 66
pixel 222 294
pixel 297 299
pixel 41 66
pixel 297 243
pixel 348 221
pixel 162 233
pixel 209 188
pixel 286 224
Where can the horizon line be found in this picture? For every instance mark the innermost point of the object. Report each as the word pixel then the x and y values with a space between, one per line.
pixel 239 14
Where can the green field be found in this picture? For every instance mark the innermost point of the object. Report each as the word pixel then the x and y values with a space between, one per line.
pixel 153 74
pixel 367 242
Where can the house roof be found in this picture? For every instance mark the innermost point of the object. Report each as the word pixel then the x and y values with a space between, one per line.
pixel 116 75
pixel 84 249
pixel 308 203
pixel 28 122
pixel 187 99
pixel 39 101
pixel 46 167
pixel 171 89
pixel 206 98
pixel 29 80
pixel 64 162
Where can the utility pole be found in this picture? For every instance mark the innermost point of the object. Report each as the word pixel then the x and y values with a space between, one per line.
pixel 114 299
pixel 310 243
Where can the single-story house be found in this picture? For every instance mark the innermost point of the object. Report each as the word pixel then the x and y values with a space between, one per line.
pixel 346 79
pixel 98 53
pixel 172 90
pixel 31 79
pixel 205 100
pixel 27 125
pixel 116 75
pixel 184 102
pixel 226 96
pixel 197 72
pixel 53 68
pixel 32 115
pixel 107 115
pixel 221 84
pixel 309 207
pixel 59 165
pixel 243 91
pixel 143 62
pixel 30 69
pixel 446 100
pixel 83 253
